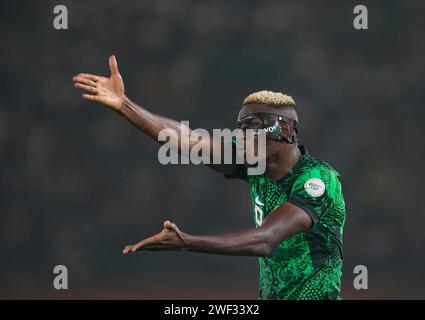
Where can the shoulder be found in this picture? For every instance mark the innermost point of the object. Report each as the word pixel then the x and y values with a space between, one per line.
pixel 316 187
pixel 315 167
pixel 316 177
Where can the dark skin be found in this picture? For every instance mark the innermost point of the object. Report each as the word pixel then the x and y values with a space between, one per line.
pixel 284 222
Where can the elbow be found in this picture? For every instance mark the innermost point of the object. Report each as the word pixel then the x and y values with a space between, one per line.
pixel 265 247
pixel 264 250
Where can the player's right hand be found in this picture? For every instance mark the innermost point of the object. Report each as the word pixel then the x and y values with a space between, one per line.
pixel 109 91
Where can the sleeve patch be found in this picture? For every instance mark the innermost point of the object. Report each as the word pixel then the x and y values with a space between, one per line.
pixel 315 187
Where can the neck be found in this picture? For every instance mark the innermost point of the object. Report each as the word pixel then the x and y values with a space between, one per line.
pixel 280 163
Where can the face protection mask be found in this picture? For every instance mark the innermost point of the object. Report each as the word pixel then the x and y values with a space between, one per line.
pixel 271 123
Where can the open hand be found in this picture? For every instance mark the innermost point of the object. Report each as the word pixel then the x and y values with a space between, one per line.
pixel 109 91
pixel 170 238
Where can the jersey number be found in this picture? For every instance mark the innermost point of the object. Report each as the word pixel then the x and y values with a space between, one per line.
pixel 258 212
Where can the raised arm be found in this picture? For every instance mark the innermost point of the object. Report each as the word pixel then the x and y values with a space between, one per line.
pixel 111 92
pixel 284 222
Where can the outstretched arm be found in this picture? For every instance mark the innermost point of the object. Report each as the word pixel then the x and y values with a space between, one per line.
pixel 284 222
pixel 111 92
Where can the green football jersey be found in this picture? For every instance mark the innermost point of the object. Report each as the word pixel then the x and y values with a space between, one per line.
pixel 307 265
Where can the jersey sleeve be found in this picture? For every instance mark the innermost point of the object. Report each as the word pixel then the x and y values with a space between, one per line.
pixel 312 191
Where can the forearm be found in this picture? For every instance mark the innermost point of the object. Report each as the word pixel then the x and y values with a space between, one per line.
pixel 283 223
pixel 152 124
pixel 252 242
pixel 148 122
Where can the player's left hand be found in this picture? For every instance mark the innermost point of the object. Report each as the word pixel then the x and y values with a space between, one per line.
pixel 169 238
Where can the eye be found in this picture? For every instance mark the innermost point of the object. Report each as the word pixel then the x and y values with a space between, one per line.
pixel 255 123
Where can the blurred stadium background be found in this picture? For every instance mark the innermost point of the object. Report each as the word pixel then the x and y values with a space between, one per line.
pixel 78 182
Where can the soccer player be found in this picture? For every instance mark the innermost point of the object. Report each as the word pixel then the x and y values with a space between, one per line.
pixel 299 209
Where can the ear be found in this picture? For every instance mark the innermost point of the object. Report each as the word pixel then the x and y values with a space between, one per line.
pixel 286 129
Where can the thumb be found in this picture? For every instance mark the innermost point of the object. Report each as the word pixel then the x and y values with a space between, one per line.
pixel 113 65
pixel 167 225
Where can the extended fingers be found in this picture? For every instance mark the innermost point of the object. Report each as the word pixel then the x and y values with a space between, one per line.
pixel 155 242
pixel 86 87
pixel 151 241
pixel 133 247
pixel 138 246
pixel 84 80
pixel 128 249
pixel 88 76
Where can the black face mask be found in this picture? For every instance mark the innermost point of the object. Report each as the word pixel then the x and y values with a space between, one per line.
pixel 271 123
